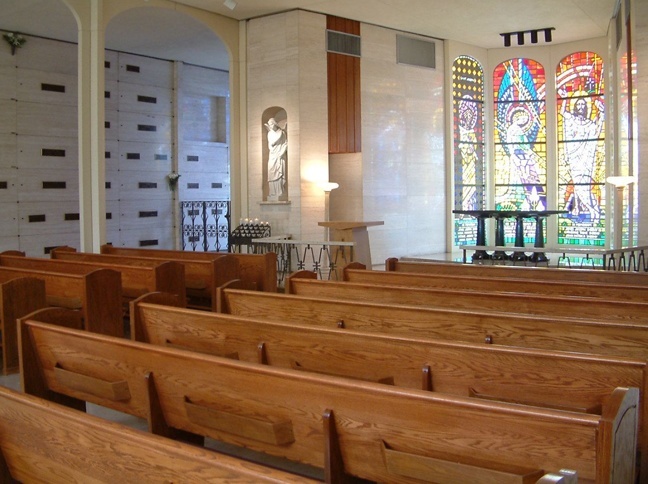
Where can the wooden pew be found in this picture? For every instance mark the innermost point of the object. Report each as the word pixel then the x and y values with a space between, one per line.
pixel 347 427
pixel 356 272
pixel 202 277
pixel 97 295
pixel 552 379
pixel 41 441
pixel 137 280
pixel 548 305
pixel 537 273
pixel 507 329
pixel 18 296
pixel 259 269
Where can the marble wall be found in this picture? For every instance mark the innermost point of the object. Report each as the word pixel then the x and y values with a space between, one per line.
pixel 399 176
pixel 287 69
pixel 403 158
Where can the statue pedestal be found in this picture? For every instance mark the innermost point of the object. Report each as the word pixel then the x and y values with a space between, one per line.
pixel 353 232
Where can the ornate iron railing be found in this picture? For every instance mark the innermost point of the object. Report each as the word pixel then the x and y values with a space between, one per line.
pixel 326 259
pixel 205 225
pixel 627 259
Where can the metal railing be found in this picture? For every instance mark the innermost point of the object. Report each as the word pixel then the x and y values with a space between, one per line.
pixel 205 225
pixel 630 259
pixel 326 259
pixel 626 259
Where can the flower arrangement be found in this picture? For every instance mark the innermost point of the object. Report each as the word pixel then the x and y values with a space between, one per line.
pixel 14 40
pixel 172 179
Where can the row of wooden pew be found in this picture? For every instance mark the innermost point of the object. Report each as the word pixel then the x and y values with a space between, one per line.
pixel 402 307
pixel 348 427
pixel 100 286
pixel 358 389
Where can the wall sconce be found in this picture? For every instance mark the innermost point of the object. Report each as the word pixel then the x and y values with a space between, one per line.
pixel 619 183
pixel 521 36
pixel 328 187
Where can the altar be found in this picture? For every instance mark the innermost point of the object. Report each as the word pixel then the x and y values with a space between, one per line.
pixel 500 216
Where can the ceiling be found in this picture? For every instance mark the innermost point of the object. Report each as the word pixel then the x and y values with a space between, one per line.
pixel 163 33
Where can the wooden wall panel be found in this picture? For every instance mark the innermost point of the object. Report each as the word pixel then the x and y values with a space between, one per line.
pixel 344 107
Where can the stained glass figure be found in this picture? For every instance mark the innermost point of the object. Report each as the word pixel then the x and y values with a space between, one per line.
pixel 581 149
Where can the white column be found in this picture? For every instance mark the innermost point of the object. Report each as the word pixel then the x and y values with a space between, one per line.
pixel 92 176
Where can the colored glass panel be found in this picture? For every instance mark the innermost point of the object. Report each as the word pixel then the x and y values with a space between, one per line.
pixel 581 149
pixel 469 167
pixel 520 137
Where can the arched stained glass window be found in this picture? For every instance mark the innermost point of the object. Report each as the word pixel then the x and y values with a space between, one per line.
pixel 581 149
pixel 469 168
pixel 520 138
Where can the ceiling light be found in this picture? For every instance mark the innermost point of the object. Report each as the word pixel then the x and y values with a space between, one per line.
pixel 231 4
pixel 521 34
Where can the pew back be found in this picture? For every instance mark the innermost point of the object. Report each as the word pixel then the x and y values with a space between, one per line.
pixel 18 297
pixel 370 430
pixel 58 445
pixel 622 292
pixel 540 304
pixel 552 333
pixel 136 279
pixel 97 294
pixel 259 269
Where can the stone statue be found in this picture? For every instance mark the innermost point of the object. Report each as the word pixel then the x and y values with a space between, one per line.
pixel 277 155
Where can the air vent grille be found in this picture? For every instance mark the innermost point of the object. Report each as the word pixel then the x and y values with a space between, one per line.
pixel 415 52
pixel 341 43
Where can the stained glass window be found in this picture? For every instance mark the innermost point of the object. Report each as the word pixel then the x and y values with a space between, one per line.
pixel 581 149
pixel 469 168
pixel 520 137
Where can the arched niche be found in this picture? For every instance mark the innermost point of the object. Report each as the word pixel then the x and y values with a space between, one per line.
pixel 274 128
